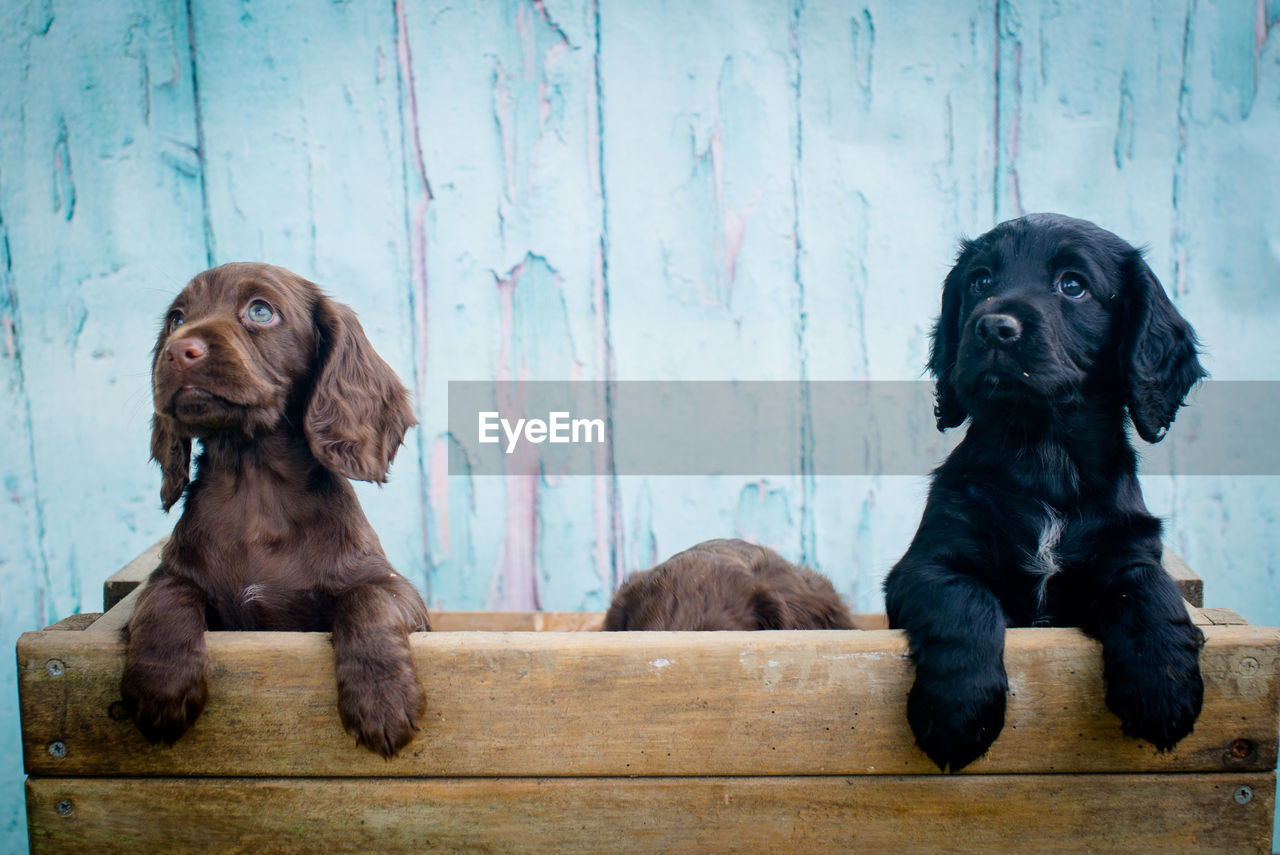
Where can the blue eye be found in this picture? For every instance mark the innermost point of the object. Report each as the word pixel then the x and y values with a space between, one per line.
pixel 1070 285
pixel 260 313
pixel 176 318
pixel 980 281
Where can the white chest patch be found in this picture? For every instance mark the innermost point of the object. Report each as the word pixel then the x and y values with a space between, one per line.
pixel 252 593
pixel 1044 562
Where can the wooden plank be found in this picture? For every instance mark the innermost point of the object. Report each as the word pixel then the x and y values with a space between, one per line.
pixel 74 622
pixel 114 620
pixel 516 621
pixel 128 577
pixel 1223 617
pixel 871 621
pixel 648 703
pixel 1199 813
pixel 1189 583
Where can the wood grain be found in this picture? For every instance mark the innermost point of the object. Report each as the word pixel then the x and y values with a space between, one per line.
pixel 1195 813
pixel 579 703
pixel 128 577
pixel 1189 583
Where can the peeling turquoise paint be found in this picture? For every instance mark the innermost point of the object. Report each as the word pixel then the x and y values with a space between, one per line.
pixel 596 189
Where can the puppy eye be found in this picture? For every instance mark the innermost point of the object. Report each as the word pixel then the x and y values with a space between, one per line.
pixel 260 312
pixel 1070 285
pixel 980 281
pixel 176 318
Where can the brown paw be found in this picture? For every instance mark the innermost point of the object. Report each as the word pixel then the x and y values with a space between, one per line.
pixel 163 702
pixel 381 706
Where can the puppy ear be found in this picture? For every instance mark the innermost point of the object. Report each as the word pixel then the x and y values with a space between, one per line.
pixel 770 610
pixel 1158 352
pixel 358 411
pixel 173 453
pixel 943 345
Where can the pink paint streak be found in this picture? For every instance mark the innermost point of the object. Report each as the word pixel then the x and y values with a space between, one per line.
pixel 438 488
pixel 1260 33
pixel 503 112
pixel 732 225
pixel 507 298
pixel 515 582
pixel 524 30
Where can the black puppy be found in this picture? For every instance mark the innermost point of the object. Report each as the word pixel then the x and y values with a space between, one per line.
pixel 1052 329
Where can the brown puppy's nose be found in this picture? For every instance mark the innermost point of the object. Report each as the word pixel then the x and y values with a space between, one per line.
pixel 999 329
pixel 185 352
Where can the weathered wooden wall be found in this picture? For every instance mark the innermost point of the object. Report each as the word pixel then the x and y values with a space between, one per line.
pixel 596 189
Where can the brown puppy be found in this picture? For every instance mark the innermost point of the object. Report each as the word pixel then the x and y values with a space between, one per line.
pixel 289 400
pixel 726 584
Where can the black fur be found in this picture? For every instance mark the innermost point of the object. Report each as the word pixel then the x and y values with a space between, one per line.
pixel 1053 332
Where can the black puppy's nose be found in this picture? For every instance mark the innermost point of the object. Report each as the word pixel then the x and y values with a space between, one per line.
pixel 185 352
pixel 999 329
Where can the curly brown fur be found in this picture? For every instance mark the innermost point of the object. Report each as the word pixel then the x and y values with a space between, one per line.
pixel 726 585
pixel 288 400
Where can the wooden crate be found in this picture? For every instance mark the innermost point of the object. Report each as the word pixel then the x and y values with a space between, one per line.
pixel 572 741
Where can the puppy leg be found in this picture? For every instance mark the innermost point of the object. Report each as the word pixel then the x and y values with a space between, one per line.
pixel 380 698
pixel 955 627
pixel 164 670
pixel 1150 653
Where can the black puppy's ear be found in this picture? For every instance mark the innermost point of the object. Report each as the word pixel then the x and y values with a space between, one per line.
pixel 358 411
pixel 1158 352
pixel 945 342
pixel 173 453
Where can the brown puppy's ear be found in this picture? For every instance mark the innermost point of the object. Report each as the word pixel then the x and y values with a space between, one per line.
pixel 769 609
pixel 173 453
pixel 358 411
pixel 944 344
pixel 1158 352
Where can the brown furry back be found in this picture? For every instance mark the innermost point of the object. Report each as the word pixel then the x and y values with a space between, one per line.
pixel 726 585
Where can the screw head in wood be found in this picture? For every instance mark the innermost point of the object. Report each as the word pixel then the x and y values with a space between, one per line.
pixel 1241 749
pixel 1248 666
pixel 56 667
pixel 58 749
pixel 1244 794
pixel 65 807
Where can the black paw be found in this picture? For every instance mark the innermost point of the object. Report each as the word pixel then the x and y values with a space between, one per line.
pixel 1156 689
pixel 956 718
pixel 164 702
